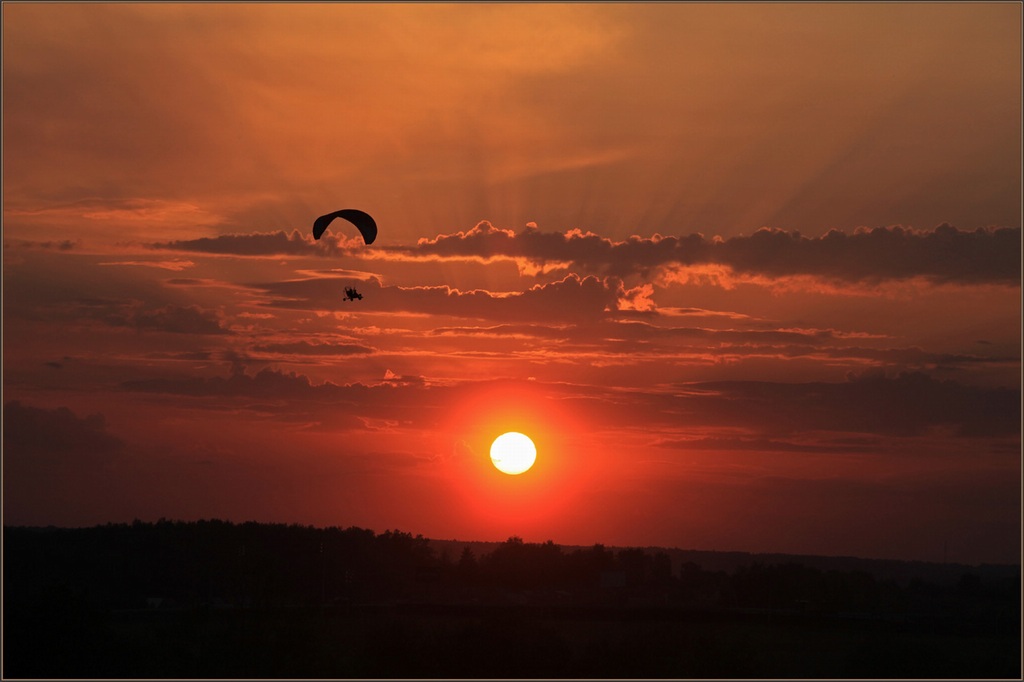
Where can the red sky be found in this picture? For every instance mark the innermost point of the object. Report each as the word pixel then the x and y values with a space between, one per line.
pixel 749 275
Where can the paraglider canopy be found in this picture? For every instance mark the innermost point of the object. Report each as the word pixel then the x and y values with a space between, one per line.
pixel 363 222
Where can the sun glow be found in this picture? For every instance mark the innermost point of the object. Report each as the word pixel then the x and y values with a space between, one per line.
pixel 513 453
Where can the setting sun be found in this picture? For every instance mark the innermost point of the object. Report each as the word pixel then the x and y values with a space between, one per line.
pixel 513 453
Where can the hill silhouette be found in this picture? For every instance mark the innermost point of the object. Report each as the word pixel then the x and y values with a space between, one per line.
pixel 216 599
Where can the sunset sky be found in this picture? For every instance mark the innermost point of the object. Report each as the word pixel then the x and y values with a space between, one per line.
pixel 749 275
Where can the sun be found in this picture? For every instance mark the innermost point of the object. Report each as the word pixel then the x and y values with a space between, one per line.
pixel 513 453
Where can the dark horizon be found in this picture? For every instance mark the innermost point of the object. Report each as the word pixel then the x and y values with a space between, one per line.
pixel 211 598
pixel 459 542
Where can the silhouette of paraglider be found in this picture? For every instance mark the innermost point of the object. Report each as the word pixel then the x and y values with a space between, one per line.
pixel 363 222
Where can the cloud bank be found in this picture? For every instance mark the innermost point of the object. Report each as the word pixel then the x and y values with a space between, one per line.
pixel 33 430
pixel 945 254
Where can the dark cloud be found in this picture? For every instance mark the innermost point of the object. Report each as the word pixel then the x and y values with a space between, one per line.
pixel 944 254
pixel 916 357
pixel 61 465
pixel 905 405
pixel 33 431
pixel 132 313
pixel 289 396
pixel 63 245
pixel 600 332
pixel 768 445
pixel 486 241
pixel 644 330
pixel 408 400
pixel 177 320
pixel 306 348
pixel 266 383
pixel 192 356
pixel 908 404
pixel 630 336
pixel 293 391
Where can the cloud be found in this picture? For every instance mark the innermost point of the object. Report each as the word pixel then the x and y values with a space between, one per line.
pixel 136 212
pixel 600 331
pixel 410 400
pixel 630 341
pixel 507 331
pixel 289 396
pixel 176 320
pixel 917 357
pixel 62 464
pixel 944 254
pixel 733 444
pixel 404 379
pixel 306 348
pixel 571 298
pixel 263 244
pixel 62 245
pixel 145 212
pixel 175 265
pixel 908 404
pixel 173 319
pixel 266 383
pixel 37 431
pixel 191 356
pixel 638 298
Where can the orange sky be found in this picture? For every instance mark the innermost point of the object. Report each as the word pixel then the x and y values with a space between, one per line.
pixel 749 275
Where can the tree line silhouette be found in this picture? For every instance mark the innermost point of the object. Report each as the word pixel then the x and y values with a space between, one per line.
pixel 134 600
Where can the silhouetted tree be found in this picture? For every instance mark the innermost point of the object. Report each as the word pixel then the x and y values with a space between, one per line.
pixel 468 569
pixel 517 564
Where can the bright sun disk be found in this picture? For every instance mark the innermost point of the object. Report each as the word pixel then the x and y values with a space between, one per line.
pixel 513 453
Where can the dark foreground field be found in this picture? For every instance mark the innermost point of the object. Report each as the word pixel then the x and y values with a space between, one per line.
pixel 222 601
pixel 407 642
